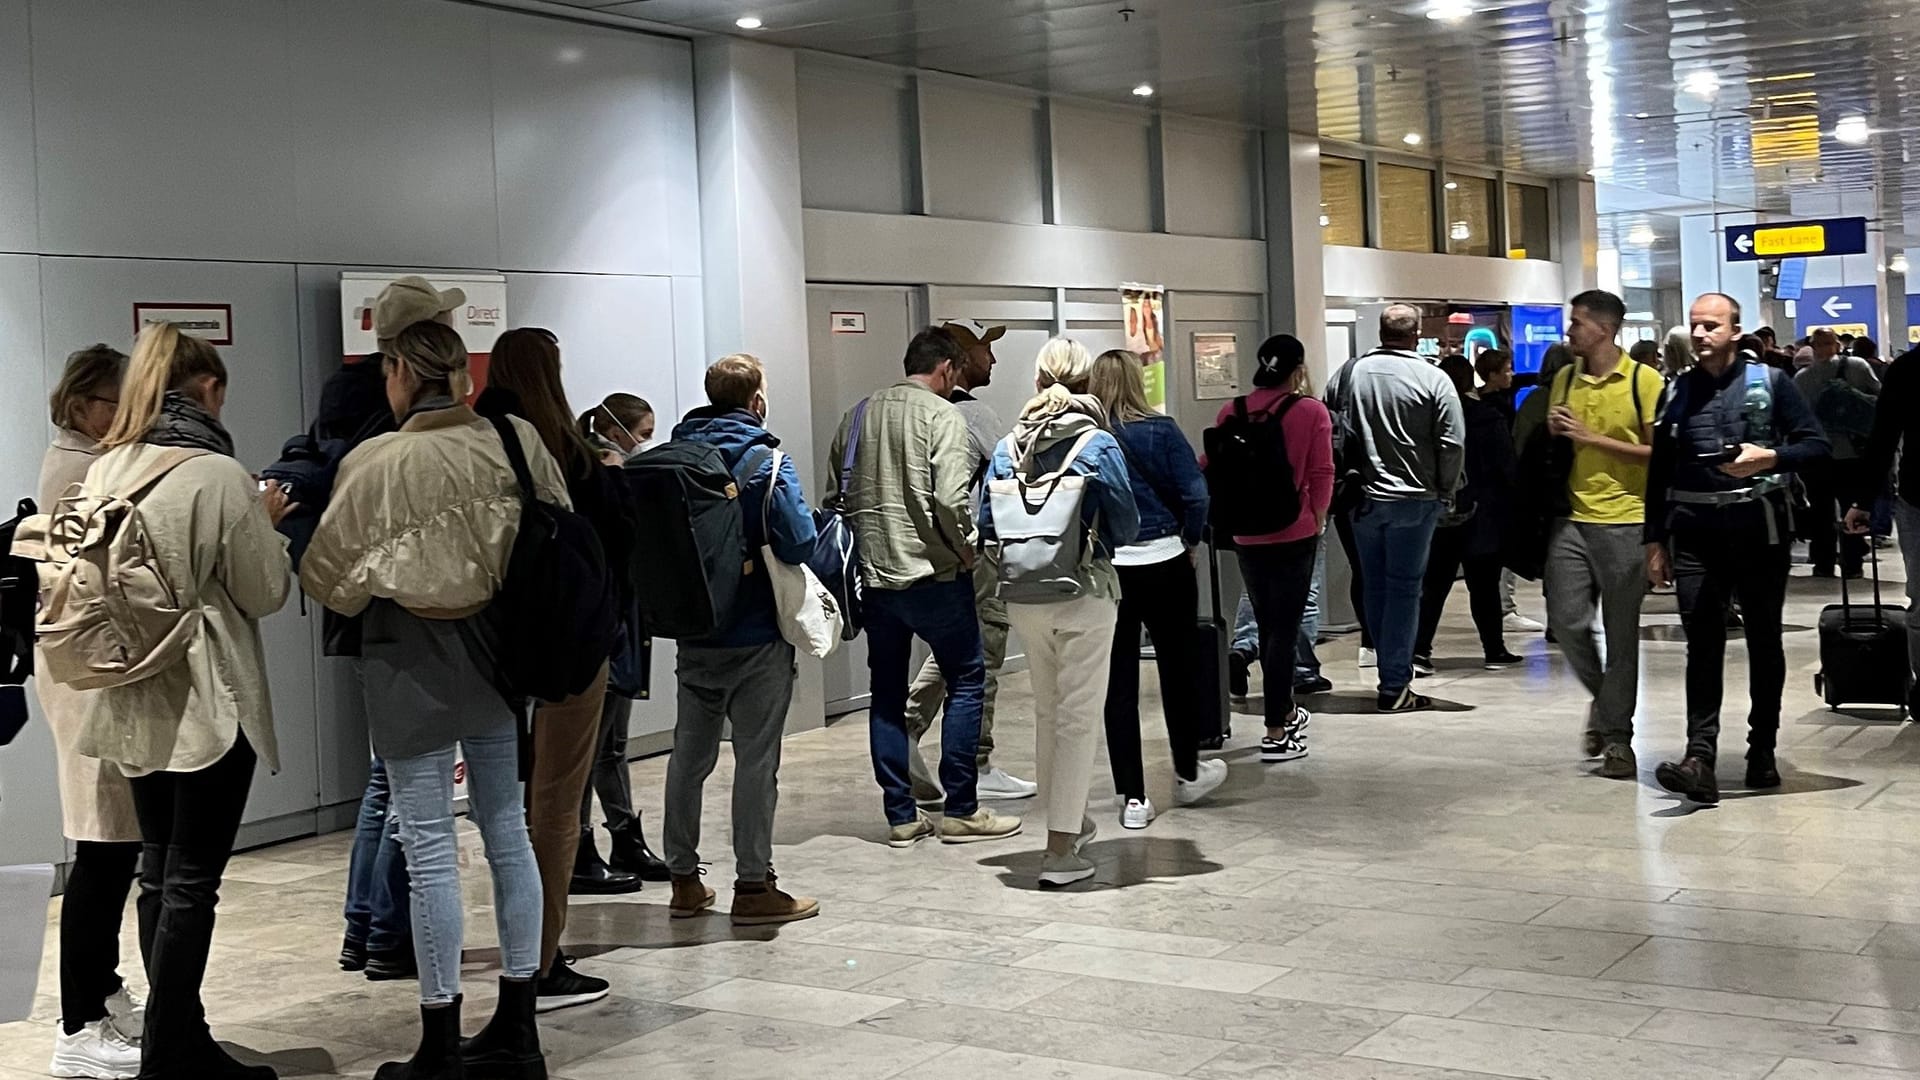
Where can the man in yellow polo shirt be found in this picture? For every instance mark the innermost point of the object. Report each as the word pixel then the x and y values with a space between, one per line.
pixel 1606 406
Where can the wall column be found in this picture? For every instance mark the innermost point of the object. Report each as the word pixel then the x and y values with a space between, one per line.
pixel 1296 270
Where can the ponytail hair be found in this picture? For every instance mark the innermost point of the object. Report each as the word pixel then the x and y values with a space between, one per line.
pixel 164 359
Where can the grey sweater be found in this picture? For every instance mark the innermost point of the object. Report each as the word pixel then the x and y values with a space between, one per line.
pixel 1399 420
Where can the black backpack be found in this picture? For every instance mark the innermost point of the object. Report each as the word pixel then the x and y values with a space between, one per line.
pixel 19 598
pixel 1250 479
pixel 836 549
pixel 556 612
pixel 307 467
pixel 689 551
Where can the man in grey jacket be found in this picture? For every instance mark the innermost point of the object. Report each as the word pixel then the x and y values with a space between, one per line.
pixel 1830 487
pixel 929 691
pixel 1399 422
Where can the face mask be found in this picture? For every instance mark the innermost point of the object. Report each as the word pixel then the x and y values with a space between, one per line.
pixel 641 447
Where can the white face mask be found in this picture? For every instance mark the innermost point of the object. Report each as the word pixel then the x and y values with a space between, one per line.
pixel 642 447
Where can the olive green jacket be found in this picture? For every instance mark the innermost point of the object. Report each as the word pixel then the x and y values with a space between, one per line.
pixel 909 496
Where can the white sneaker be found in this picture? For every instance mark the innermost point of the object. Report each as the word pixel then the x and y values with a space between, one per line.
pixel 98 1051
pixel 997 783
pixel 1516 623
pixel 1138 814
pixel 1212 773
pixel 128 1013
pixel 1368 658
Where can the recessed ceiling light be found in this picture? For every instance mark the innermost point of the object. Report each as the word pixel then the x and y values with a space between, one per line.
pixel 749 22
pixel 1641 235
pixel 1852 130
pixel 1449 10
pixel 1460 231
pixel 1325 221
pixel 1452 185
pixel 1143 90
pixel 1701 84
pixel 1629 274
pixel 1897 264
pixel 1411 138
pixel 1640 116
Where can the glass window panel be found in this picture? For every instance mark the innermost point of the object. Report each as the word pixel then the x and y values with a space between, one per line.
pixel 1469 216
pixel 1406 208
pixel 1343 202
pixel 1529 233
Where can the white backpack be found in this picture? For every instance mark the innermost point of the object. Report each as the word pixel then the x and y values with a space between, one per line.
pixel 1044 546
pixel 108 615
pixel 810 615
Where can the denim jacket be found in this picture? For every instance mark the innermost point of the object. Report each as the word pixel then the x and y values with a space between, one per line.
pixel 1108 509
pixel 1162 465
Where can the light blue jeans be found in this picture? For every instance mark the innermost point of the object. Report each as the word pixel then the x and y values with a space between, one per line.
pixel 1394 539
pixel 423 803
pixel 1246 628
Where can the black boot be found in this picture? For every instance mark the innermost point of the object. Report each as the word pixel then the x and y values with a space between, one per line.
pixel 593 877
pixel 508 1048
pixel 387 965
pixel 630 853
pixel 439 1055
pixel 1762 772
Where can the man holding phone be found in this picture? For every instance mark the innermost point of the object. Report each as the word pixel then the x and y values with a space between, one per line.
pixel 1719 492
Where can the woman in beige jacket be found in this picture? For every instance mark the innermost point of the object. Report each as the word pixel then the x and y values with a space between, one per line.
pixel 99 1032
pixel 416 536
pixel 189 734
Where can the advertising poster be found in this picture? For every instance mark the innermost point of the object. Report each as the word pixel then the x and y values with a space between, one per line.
pixel 1216 366
pixel 479 321
pixel 1145 309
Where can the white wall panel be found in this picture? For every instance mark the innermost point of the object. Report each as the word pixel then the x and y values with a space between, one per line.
pixel 856 138
pixel 19 204
pixel 393 112
pixel 616 334
pixel 1105 168
pixel 162 128
pixel 1401 275
pixel 984 153
pixel 594 146
pixel 1210 180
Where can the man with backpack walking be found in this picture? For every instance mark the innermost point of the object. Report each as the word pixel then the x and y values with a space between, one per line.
pixel 1403 437
pixel 1842 390
pixel 1605 407
pixel 1719 491
pixel 909 497
pixel 744 671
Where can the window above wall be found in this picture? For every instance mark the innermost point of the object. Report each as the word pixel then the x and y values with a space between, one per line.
pixel 1395 201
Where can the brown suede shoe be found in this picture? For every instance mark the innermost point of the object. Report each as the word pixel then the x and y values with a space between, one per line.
pixel 690 897
pixel 762 903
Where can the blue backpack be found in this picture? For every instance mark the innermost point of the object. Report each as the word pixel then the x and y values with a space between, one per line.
pixel 836 551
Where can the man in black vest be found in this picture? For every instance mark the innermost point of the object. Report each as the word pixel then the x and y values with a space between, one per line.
pixel 1718 492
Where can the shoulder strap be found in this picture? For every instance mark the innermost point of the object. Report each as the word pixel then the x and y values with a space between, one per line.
pixel 516 455
pixel 1286 403
pixel 1562 381
pixel 1066 464
pixel 135 484
pixel 1240 407
pixel 773 480
pixel 854 428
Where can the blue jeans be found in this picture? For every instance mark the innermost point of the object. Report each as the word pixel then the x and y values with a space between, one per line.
pixel 378 908
pixel 1246 628
pixel 423 801
pixel 942 614
pixel 1393 539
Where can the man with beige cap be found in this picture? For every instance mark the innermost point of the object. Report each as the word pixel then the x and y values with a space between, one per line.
pixel 929 691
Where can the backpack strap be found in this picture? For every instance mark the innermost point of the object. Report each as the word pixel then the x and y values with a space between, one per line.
pixel 854 427
pixel 133 485
pixel 516 455
pixel 1066 464
pixel 749 467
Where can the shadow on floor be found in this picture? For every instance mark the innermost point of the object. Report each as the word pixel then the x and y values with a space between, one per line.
pixel 1124 862
pixel 1792 782
pixel 1365 705
pixel 600 928
pixel 298 1061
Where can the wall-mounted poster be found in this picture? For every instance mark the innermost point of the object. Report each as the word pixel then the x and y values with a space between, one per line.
pixel 1145 310
pixel 1216 366
pixel 212 322
pixel 479 321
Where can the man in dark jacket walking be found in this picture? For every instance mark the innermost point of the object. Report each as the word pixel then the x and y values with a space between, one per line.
pixel 744 672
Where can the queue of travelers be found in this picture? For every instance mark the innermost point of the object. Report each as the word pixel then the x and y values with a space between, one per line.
pixel 1076 527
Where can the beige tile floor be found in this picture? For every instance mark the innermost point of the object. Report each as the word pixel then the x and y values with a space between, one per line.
pixel 1436 897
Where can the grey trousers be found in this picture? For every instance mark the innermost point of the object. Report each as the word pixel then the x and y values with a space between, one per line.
pixel 1603 564
pixel 928 695
pixel 751 686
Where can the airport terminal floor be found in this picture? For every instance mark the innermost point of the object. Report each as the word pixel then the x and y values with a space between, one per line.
pixel 1429 897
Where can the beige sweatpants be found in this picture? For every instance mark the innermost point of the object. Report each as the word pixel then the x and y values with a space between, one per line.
pixel 1069 650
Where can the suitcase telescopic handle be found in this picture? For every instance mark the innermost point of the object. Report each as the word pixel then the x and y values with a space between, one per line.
pixel 1846 605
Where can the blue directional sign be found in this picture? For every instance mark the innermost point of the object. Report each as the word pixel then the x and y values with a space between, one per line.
pixel 1793 279
pixel 1788 239
pixel 1846 309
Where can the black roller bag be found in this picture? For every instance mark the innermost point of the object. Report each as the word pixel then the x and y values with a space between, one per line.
pixel 1863 650
pixel 1215 634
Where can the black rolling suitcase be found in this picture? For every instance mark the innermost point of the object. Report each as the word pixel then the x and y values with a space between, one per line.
pixel 1863 650
pixel 1210 682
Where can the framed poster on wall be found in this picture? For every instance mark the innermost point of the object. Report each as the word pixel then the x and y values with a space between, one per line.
pixel 1145 310
pixel 1216 366
pixel 479 321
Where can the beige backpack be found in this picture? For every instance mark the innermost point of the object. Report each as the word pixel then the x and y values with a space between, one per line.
pixel 108 615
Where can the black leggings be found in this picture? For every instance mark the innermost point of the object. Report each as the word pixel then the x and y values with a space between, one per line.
pixel 1445 559
pixel 1165 598
pixel 90 913
pixel 1279 577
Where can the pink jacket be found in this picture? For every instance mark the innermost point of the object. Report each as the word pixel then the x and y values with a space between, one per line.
pixel 1308 429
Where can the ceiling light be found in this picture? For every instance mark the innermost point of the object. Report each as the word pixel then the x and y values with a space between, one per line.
pixel 1411 138
pixel 1143 90
pixel 1852 130
pixel 1640 116
pixel 1325 221
pixel 1629 274
pixel 749 22
pixel 1703 84
pixel 1449 10
pixel 1460 231
pixel 1641 235
pixel 1897 264
pixel 1451 185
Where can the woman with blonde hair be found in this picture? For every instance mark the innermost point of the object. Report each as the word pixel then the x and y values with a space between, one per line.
pixel 1158 591
pixel 99 1032
pixel 1058 444
pixel 188 735
pixel 417 536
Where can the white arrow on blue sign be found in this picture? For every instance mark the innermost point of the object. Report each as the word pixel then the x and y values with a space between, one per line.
pixel 1855 308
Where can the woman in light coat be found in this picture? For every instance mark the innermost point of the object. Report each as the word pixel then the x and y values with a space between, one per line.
pixel 99 1032
pixel 189 734
pixel 417 536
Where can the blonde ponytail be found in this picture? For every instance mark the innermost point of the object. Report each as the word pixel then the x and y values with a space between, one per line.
pixel 163 359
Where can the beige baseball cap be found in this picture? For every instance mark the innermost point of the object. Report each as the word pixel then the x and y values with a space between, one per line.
pixel 409 300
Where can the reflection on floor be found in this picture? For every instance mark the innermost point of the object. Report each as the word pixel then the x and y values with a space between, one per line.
pixel 1440 896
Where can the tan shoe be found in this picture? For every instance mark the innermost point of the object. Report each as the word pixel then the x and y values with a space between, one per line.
pixel 984 824
pixel 762 903
pixel 690 897
pixel 905 836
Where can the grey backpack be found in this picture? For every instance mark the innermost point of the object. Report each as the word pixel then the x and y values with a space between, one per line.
pixel 1044 546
